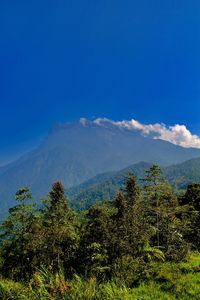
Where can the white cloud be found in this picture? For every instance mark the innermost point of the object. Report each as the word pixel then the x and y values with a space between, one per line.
pixel 177 134
pixel 83 121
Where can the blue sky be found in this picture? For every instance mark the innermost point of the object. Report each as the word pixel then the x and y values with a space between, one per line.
pixel 61 60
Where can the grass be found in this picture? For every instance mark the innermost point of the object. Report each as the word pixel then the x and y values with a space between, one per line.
pixel 167 281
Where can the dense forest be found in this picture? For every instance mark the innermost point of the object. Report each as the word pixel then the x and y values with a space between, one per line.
pixel 143 244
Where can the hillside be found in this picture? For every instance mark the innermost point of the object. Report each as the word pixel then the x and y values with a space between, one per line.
pixel 105 186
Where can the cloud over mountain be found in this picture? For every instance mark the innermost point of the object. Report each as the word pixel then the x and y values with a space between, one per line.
pixel 176 134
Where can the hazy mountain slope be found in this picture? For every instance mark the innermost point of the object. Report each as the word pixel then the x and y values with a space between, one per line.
pixel 105 186
pixel 77 151
pixel 181 175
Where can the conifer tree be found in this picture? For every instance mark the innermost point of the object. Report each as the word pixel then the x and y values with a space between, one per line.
pixel 191 201
pixel 163 211
pixel 129 221
pixel 154 183
pixel 132 190
pixel 96 242
pixel 60 229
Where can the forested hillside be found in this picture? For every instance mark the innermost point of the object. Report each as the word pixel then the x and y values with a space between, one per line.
pixel 105 186
pixel 141 245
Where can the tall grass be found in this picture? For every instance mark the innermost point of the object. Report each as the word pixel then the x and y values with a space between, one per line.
pixel 167 281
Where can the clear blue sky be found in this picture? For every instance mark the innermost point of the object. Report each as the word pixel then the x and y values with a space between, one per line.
pixel 64 59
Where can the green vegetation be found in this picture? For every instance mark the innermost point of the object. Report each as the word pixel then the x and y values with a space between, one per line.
pixel 106 186
pixel 171 281
pixel 144 244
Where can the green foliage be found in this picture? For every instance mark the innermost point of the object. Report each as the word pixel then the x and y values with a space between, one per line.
pixel 165 281
pixel 17 234
pixel 95 242
pixel 153 253
pixel 59 227
pixel 10 290
pixel 191 202
pixel 106 186
pixel 134 247
pixel 129 271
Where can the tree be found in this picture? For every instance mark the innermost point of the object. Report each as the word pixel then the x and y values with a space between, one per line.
pixel 60 230
pixel 120 203
pixel 192 196
pixel 154 184
pixel 191 202
pixel 95 245
pixel 16 234
pixel 132 190
pixel 130 221
pixel 164 214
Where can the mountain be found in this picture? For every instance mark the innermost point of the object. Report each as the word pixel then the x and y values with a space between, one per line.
pixel 77 151
pixel 105 186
